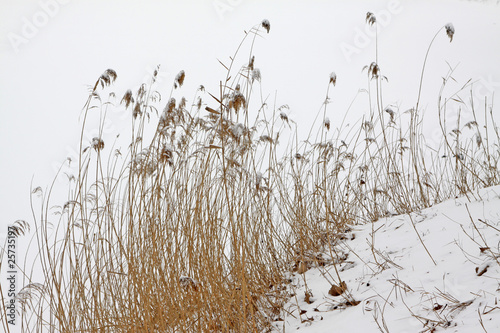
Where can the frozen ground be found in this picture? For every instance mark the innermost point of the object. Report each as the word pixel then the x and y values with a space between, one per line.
pixel 399 287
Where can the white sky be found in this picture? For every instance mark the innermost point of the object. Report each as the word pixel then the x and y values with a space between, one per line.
pixel 44 77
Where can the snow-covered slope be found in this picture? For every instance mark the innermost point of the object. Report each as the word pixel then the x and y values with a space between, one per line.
pixel 449 280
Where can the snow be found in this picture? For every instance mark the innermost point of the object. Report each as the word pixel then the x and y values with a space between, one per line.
pixel 397 284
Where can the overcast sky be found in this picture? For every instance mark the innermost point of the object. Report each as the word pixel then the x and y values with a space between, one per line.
pixel 52 50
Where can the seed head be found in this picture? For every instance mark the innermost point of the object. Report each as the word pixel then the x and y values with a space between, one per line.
pixel 390 112
pixel 333 78
pixel 141 91
pixel 367 125
pixel 266 138
pixel 373 70
pixel 237 100
pixel 450 30
pixel 182 103
pixel 97 144
pixel 256 75
pixel 167 117
pixel 179 79
pixel 19 228
pixel 250 64
pixel 370 18
pixel 327 124
pixel 111 73
pixel 470 124
pixel 108 77
pixel 237 130
pixel 284 117
pixel 167 155
pixel 198 103
pixel 266 25
pixel 38 190
pixel 137 110
pixel 479 140
pixel 170 105
pixel 127 98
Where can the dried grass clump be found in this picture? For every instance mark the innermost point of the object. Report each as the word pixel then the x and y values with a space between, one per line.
pixel 179 237
pixel 198 223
